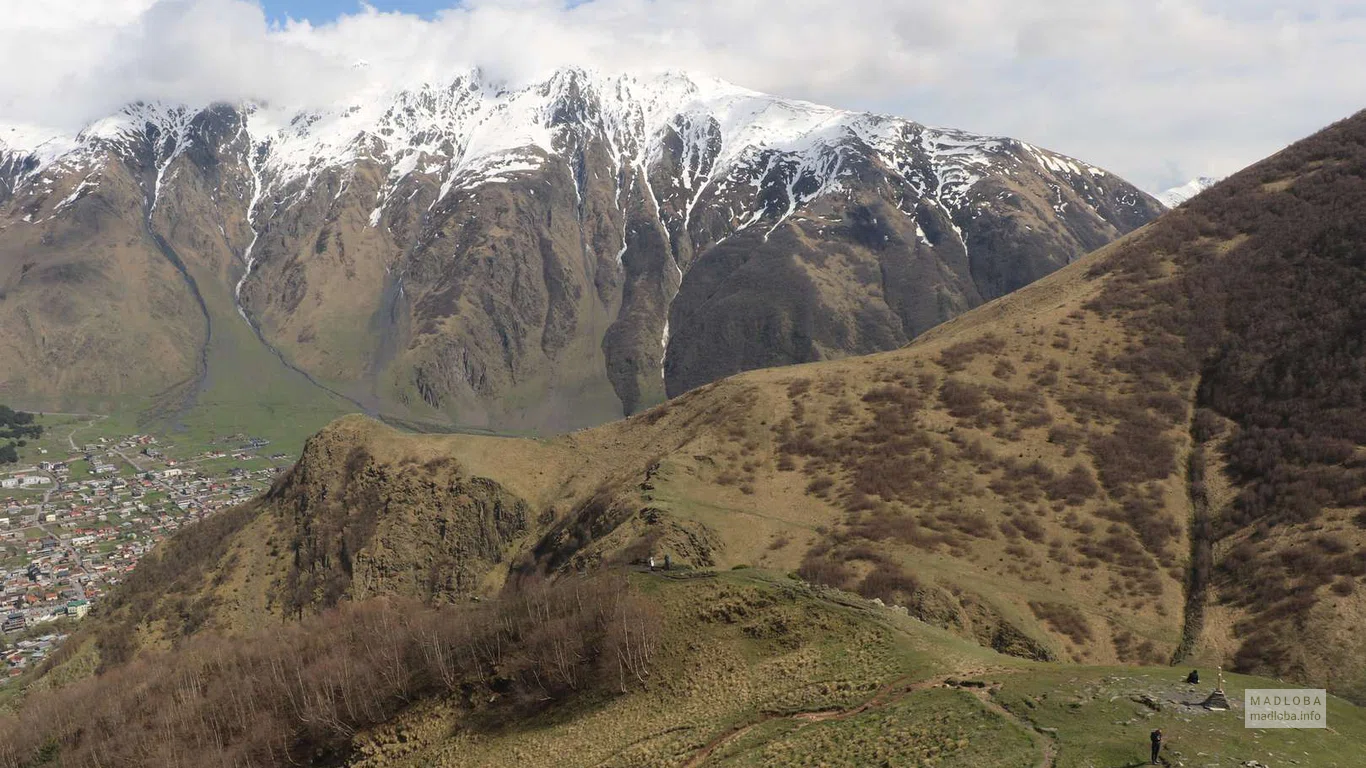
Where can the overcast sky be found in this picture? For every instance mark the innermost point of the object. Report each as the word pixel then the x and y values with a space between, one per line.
pixel 1158 91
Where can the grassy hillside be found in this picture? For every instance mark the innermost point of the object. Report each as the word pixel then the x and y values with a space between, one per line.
pixel 735 668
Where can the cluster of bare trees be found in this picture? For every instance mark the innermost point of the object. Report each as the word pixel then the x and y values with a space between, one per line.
pixel 300 693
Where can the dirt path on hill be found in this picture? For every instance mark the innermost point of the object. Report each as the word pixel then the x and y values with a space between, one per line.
pixel 1047 747
pixel 888 694
pixel 71 436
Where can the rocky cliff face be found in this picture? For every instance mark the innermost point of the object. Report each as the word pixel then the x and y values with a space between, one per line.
pixel 360 526
pixel 354 518
pixel 540 258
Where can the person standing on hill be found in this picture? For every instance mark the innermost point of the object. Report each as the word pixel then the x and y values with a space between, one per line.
pixel 1156 738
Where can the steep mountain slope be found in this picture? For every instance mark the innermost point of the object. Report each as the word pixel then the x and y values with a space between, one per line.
pixel 538 258
pixel 119 298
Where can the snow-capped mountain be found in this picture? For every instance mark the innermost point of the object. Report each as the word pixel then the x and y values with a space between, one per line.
pixel 1178 195
pixel 543 256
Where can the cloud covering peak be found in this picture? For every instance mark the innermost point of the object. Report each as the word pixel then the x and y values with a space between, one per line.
pixel 1157 91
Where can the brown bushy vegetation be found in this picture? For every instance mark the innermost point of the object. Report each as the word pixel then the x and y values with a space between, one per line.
pixel 1146 516
pixel 1075 487
pixel 1206 425
pixel 175 568
pixel 1028 408
pixel 1235 322
pixel 828 564
pixel 819 566
pixel 1121 548
pixel 298 694
pixel 1048 376
pixel 1137 451
pixel 886 524
pixel 888 583
pixel 1063 619
pixel 1131 650
pixel 1070 438
pixel 1021 481
pixel 888 457
pixel 961 398
pixel 955 358
pixel 1265 311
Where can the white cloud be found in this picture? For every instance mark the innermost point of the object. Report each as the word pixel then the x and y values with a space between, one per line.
pixel 1157 91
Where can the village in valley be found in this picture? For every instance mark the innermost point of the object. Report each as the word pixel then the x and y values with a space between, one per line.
pixel 80 504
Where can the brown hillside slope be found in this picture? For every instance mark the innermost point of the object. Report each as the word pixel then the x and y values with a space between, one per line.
pixel 1026 475
pixel 66 295
pixel 659 670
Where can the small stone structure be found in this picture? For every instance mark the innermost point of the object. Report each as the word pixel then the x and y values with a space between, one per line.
pixel 1217 700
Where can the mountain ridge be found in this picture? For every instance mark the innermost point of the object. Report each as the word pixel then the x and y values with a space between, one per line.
pixel 1180 194
pixel 524 258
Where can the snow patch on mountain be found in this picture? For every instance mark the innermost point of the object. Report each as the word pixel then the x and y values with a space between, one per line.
pixel 473 131
pixel 1178 195
pixel 755 159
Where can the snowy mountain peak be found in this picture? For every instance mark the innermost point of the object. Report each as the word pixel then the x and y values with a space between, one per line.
pixel 494 226
pixel 472 130
pixel 1178 195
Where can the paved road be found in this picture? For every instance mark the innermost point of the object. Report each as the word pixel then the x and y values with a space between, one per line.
pixel 53 487
pixel 136 467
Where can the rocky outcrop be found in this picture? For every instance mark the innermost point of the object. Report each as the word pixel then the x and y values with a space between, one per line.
pixel 360 526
